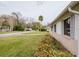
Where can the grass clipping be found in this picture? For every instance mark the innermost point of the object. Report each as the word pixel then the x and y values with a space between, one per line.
pixel 49 47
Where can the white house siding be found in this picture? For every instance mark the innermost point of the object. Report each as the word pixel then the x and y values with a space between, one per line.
pixel 67 42
pixel 59 27
pixel 72 27
pixel 76 27
pixel 77 32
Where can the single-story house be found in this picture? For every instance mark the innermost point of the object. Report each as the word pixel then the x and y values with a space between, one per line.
pixel 7 23
pixel 65 27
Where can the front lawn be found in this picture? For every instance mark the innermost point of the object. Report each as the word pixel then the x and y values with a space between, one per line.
pixel 20 45
pixel 37 32
pixel 28 44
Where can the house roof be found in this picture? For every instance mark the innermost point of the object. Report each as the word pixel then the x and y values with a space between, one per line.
pixel 71 4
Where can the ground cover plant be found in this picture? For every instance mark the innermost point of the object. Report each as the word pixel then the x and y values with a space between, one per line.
pixel 50 47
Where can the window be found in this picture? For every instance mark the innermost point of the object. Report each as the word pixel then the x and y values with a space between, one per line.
pixel 55 28
pixel 67 27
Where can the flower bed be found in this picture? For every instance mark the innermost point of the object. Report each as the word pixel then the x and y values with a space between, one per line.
pixel 50 47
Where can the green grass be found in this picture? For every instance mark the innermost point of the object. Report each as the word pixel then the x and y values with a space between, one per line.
pixel 20 45
pixel 25 45
pixel 37 32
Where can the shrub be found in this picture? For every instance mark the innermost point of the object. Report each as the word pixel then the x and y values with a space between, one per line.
pixel 43 29
pixel 50 47
pixel 18 28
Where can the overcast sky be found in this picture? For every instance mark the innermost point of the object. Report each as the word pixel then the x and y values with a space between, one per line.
pixel 48 9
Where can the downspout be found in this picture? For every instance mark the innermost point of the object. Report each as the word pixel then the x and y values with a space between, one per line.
pixel 73 11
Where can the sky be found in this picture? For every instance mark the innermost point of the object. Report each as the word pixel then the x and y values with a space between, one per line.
pixel 48 9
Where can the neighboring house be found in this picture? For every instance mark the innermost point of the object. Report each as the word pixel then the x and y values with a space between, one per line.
pixel 28 29
pixel 7 23
pixel 65 28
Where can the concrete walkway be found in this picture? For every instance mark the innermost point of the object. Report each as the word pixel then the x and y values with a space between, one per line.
pixel 13 34
pixel 17 34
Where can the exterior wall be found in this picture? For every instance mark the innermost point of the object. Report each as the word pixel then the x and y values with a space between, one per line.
pixel 59 27
pixel 76 26
pixel 77 32
pixel 71 43
pixel 66 41
pixel 72 27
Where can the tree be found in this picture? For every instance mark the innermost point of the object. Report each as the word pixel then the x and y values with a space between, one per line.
pixel 20 22
pixel 18 28
pixel 17 15
pixel 36 25
pixel 41 18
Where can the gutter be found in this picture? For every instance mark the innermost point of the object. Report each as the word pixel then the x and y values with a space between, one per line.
pixel 71 4
pixel 73 11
